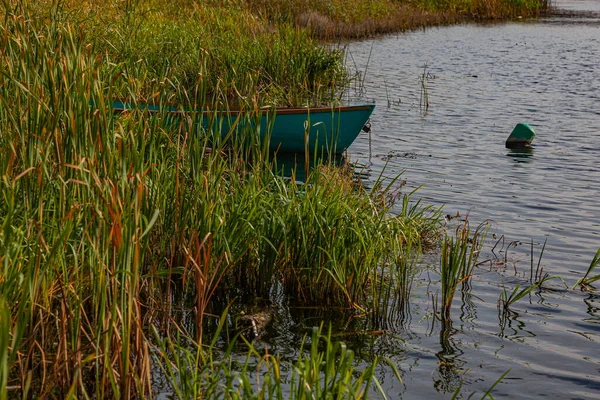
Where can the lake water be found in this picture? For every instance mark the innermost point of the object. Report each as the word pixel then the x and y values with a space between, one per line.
pixel 481 81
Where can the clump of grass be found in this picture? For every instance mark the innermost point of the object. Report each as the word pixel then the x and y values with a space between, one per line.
pixel 323 368
pixel 403 274
pixel 415 227
pixel 331 371
pixel 458 259
pixel 221 48
pixel 327 237
pixel 485 9
pixel 537 280
pixel 506 299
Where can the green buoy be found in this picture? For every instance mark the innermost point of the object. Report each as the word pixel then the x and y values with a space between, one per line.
pixel 521 137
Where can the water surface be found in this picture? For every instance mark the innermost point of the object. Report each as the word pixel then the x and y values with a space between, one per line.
pixel 481 81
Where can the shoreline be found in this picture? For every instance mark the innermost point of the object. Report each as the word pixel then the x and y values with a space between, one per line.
pixel 353 20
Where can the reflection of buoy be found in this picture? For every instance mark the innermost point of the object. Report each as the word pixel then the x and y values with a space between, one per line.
pixel 521 137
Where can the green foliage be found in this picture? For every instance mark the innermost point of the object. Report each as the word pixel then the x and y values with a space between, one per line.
pixel 459 257
pixel 507 299
pixel 587 280
pixel 356 18
pixel 483 8
pixel 204 47
pixel 5 329
pixel 324 369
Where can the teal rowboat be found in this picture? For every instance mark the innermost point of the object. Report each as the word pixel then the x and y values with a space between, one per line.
pixel 290 130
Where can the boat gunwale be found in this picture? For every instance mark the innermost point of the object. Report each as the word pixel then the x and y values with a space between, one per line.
pixel 120 106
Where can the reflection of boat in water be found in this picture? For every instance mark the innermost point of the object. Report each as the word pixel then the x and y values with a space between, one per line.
pixel 292 130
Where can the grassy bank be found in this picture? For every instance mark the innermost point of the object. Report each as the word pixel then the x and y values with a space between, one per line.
pixel 356 18
pixel 250 51
pixel 193 52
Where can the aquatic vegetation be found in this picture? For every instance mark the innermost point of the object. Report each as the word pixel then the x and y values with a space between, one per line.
pixel 458 260
pixel 487 393
pixel 419 229
pixel 356 18
pixel 485 9
pixel 506 299
pixel 119 230
pixel 539 272
pixel 424 94
pixel 196 48
pixel 588 280
pixel 323 368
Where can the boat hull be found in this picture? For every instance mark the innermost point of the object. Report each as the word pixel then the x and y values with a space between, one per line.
pixel 288 130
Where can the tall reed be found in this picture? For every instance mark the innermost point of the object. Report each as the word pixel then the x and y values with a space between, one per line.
pixel 233 52
pixel 415 227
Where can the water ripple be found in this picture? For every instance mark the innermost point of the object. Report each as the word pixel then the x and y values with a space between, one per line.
pixel 482 80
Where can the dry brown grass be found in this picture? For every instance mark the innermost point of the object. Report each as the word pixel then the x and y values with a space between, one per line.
pixel 404 18
pixel 333 19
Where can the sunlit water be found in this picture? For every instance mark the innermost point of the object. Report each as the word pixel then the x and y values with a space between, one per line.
pixel 481 81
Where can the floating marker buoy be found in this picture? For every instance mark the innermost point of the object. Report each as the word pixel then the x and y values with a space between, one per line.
pixel 521 137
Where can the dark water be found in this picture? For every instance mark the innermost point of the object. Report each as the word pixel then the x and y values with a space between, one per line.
pixel 481 81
